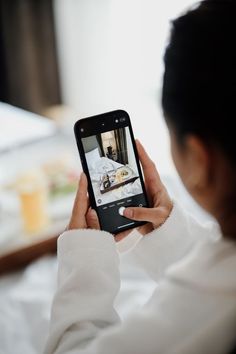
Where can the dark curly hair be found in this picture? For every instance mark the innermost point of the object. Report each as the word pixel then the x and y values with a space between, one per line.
pixel 199 87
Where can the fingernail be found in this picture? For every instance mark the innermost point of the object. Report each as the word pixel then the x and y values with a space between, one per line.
pixel 121 211
pixel 93 213
pixel 128 213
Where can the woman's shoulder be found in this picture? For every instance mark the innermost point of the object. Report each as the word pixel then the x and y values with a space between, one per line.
pixel 209 266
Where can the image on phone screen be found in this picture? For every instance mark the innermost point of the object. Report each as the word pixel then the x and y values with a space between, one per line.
pixel 115 176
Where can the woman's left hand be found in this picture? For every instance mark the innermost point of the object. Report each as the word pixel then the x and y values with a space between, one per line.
pixel 83 217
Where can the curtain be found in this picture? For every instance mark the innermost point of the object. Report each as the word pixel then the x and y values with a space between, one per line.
pixel 28 61
pixel 121 146
pixel 99 140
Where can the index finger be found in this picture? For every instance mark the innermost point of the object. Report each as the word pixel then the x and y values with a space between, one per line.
pixel 81 200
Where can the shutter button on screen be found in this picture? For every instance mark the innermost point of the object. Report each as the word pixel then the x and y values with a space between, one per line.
pixel 121 211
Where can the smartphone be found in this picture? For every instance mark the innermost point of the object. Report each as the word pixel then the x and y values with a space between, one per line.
pixel 110 161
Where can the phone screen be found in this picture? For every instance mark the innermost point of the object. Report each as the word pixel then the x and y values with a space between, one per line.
pixel 110 161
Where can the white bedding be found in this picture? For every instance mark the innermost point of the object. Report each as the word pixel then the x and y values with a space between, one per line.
pixel 97 170
pixel 26 298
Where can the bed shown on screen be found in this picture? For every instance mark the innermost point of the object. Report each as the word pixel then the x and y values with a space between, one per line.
pixel 111 163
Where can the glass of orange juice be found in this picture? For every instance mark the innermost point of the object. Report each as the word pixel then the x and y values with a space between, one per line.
pixel 33 194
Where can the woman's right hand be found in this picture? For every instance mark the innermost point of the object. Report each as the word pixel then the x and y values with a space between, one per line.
pixel 159 200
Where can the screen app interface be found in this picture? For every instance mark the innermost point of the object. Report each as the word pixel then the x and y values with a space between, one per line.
pixel 114 175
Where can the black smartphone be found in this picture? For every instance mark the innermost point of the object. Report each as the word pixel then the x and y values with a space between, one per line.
pixel 110 161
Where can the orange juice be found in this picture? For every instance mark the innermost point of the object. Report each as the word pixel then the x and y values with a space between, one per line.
pixel 33 196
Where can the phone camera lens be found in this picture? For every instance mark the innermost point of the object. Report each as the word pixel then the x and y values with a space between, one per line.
pixel 123 119
pixel 117 120
pixel 82 130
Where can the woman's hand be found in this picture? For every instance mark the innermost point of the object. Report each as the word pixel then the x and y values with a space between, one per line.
pixel 82 216
pixel 160 202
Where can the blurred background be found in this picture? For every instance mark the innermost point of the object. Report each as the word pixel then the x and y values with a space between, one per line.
pixel 75 58
pixel 61 60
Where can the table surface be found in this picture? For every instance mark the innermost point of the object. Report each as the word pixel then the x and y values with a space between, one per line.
pixel 49 145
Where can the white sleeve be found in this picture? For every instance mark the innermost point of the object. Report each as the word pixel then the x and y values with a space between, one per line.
pixel 172 241
pixel 84 320
pixel 88 281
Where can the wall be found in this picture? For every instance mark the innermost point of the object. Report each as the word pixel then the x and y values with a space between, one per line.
pixel 110 55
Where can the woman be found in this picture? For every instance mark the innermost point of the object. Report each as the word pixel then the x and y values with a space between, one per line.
pixel 193 309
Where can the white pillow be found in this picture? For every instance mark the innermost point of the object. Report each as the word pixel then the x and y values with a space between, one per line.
pixel 92 157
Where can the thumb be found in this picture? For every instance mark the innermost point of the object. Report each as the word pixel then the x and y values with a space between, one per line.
pixel 153 215
pixel 92 219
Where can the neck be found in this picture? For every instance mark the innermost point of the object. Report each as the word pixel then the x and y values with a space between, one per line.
pixel 224 196
pixel 228 225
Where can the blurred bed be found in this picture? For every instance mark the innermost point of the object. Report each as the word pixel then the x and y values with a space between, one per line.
pixel 26 298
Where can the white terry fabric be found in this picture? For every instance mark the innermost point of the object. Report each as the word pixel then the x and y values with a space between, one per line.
pixel 192 310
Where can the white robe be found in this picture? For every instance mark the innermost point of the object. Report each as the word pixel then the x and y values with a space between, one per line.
pixel 192 310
